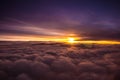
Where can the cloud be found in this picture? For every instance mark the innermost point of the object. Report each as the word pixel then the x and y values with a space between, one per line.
pixel 21 66
pixel 84 25
pixel 3 75
pixel 63 65
pixel 65 76
pixel 89 70
pixel 99 63
pixel 48 59
pixel 23 77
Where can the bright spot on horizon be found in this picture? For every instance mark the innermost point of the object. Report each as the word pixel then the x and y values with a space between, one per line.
pixel 71 40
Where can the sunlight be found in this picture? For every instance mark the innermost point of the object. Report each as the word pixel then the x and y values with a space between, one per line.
pixel 99 42
pixel 71 40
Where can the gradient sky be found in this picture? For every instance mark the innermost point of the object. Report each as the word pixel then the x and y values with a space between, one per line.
pixel 86 19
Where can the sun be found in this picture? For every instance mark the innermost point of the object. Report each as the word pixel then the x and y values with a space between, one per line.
pixel 71 40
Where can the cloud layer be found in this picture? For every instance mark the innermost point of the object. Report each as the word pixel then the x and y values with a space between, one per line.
pixel 54 61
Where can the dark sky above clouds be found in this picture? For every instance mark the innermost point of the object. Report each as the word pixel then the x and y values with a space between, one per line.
pixel 89 19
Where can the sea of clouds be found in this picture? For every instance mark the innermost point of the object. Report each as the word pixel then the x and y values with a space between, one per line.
pixel 56 61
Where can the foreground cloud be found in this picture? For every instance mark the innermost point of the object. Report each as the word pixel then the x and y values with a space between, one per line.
pixel 57 62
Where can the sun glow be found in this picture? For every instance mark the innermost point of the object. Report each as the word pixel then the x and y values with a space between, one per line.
pixel 99 42
pixel 71 40
pixel 64 39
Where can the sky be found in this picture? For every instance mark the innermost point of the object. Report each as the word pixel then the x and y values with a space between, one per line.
pixel 54 19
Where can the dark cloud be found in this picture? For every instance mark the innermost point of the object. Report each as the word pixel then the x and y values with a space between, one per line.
pixel 63 65
pixel 55 62
pixel 99 32
pixel 23 77
pixel 3 75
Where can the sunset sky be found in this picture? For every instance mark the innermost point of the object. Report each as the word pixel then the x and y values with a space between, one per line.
pixel 58 19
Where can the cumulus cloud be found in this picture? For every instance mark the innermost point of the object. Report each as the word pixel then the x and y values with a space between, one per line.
pixel 63 65
pixel 99 63
pixel 21 66
pixel 23 77
pixel 48 59
pixel 3 75
pixel 39 69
